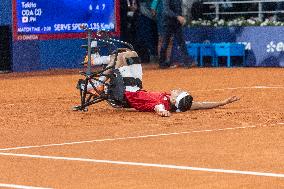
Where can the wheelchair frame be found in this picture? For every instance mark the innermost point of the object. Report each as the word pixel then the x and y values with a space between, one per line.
pixel 112 80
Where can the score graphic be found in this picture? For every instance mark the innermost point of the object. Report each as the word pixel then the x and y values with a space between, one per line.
pixel 30 15
pixel 63 16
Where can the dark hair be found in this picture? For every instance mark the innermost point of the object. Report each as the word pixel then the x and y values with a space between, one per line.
pixel 184 104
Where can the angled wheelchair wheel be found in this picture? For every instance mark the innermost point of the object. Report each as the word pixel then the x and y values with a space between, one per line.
pixel 79 108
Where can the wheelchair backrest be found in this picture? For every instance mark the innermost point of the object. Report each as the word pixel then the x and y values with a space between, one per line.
pixel 132 77
pixel 125 78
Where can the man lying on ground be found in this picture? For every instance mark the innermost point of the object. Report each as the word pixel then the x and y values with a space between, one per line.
pixel 163 103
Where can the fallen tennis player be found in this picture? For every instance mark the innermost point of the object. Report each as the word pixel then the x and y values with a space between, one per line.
pixel 163 103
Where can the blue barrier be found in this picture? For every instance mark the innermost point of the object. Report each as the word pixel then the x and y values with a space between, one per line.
pixel 206 50
pixel 229 50
pixel 194 50
pixel 215 50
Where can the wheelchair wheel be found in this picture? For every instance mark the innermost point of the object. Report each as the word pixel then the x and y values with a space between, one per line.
pixel 78 108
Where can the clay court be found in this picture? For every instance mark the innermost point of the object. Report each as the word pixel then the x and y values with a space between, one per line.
pixel 44 144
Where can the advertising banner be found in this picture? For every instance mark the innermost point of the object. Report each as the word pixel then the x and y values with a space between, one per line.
pixel 264 45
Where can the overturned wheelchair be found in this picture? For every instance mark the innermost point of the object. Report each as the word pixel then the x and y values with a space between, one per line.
pixel 107 77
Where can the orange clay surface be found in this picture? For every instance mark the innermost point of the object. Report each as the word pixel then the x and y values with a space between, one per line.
pixel 240 145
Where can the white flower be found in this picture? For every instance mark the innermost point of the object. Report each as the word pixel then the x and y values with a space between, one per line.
pixel 252 22
pixel 221 22
pixel 230 24
pixel 263 24
pixel 237 22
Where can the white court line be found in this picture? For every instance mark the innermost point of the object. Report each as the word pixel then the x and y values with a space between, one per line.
pixel 20 186
pixel 266 174
pixel 252 87
pixel 133 137
pixel 125 138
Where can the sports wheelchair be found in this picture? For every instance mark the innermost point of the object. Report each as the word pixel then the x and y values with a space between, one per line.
pixel 114 83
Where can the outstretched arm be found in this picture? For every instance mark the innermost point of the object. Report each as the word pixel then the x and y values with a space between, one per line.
pixel 209 105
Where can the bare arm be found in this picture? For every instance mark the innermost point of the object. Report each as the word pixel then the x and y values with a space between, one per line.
pixel 209 105
pixel 121 59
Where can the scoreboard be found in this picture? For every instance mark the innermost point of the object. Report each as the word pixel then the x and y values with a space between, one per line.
pixel 39 19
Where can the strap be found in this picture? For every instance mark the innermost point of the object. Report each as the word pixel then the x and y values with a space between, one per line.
pixel 133 60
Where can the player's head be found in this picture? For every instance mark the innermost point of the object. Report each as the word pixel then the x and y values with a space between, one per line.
pixel 181 100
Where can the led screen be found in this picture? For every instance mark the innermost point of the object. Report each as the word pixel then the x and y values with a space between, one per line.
pixel 35 17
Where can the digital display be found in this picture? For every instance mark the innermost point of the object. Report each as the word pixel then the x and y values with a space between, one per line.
pixel 35 17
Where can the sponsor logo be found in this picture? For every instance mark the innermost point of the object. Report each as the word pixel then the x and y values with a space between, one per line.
pixel 246 44
pixel 274 47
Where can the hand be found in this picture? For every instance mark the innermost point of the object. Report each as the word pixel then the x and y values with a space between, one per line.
pixel 133 8
pixel 164 113
pixel 232 99
pixel 153 12
pixel 181 20
pixel 86 60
